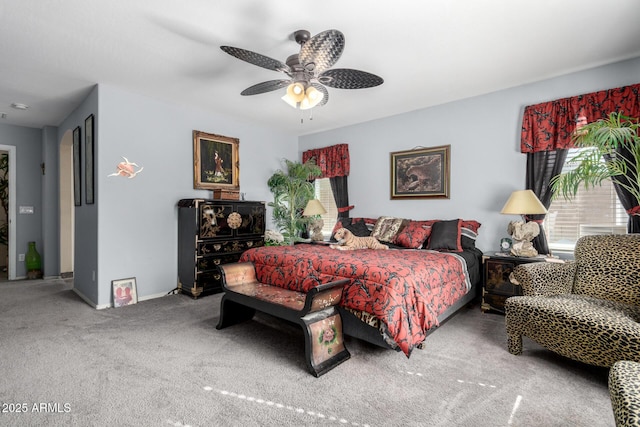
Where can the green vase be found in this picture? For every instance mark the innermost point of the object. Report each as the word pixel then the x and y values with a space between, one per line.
pixel 33 262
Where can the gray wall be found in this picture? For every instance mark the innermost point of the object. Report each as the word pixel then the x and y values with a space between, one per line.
pixel 86 216
pixel 137 218
pixel 484 134
pixel 29 156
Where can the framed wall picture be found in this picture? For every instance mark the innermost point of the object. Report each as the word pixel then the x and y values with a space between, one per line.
pixel 216 162
pixel 76 167
pixel 88 160
pixel 124 292
pixel 421 173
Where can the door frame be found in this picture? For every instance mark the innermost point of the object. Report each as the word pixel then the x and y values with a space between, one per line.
pixel 11 250
pixel 66 204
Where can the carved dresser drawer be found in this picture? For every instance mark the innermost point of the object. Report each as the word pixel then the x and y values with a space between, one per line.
pixel 212 233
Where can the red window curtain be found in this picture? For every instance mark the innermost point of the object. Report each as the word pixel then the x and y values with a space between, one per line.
pixel 549 125
pixel 335 165
pixel 333 160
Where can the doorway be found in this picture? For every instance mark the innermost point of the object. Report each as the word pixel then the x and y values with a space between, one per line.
pixel 67 206
pixel 8 223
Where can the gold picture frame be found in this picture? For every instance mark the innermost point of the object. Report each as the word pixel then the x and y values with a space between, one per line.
pixel 421 173
pixel 216 162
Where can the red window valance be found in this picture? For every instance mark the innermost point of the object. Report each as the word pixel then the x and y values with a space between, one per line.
pixel 333 160
pixel 549 125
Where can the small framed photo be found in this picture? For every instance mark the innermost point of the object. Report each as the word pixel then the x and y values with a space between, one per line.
pixel 76 166
pixel 124 292
pixel 215 162
pixel 421 173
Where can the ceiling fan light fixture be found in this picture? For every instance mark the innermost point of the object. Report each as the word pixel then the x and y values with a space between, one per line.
pixel 307 99
pixel 295 92
pixel 309 71
pixel 288 100
pixel 312 98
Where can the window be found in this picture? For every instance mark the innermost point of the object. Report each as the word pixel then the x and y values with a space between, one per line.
pixel 593 211
pixel 325 195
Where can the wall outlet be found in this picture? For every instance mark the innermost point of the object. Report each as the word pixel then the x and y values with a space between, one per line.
pixel 21 257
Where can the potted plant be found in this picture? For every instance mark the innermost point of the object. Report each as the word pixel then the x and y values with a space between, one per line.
pixel 291 191
pixel 614 139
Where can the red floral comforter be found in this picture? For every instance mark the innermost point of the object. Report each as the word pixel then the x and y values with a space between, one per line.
pixel 405 289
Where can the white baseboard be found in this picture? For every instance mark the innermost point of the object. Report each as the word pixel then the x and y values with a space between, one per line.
pixel 148 297
pixel 87 300
pixel 110 305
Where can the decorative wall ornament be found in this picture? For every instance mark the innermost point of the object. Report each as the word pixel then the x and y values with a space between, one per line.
pixel 127 169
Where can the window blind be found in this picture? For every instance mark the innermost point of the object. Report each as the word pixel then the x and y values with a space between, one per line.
pixel 593 211
pixel 325 195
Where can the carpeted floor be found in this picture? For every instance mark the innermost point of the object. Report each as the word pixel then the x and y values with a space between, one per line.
pixel 162 362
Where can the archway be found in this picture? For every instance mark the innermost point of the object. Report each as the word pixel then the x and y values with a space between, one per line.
pixel 67 211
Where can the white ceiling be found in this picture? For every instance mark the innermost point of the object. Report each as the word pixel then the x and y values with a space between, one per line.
pixel 428 52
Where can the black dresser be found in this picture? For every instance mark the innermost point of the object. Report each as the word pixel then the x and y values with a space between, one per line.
pixel 211 233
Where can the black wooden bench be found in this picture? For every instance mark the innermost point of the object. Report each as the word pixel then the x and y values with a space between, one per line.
pixel 315 311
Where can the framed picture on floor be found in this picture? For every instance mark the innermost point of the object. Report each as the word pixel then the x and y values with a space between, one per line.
pixel 421 173
pixel 124 292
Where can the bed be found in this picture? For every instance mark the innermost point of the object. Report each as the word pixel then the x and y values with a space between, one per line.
pixel 394 298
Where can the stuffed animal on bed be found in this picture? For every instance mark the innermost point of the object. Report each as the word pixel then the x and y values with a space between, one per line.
pixel 350 242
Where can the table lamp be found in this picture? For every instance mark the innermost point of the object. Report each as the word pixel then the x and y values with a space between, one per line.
pixel 523 202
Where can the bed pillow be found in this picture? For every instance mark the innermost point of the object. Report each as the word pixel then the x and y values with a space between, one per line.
pixel 414 234
pixel 469 233
pixel 358 228
pixel 358 223
pixel 387 227
pixel 446 236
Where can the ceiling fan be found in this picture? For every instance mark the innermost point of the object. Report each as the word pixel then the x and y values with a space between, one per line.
pixel 309 71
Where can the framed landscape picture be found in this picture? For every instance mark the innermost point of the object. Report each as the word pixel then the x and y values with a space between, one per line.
pixel 216 163
pixel 421 173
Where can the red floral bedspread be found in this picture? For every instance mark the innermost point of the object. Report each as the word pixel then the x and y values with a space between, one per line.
pixel 405 289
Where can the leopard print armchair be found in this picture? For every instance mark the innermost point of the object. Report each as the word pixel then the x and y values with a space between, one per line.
pixel 624 391
pixel 587 309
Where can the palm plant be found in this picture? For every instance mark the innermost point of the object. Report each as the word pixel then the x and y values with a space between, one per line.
pixel 291 191
pixel 614 139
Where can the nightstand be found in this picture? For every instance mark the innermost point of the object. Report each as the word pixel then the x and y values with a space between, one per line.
pixel 496 286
